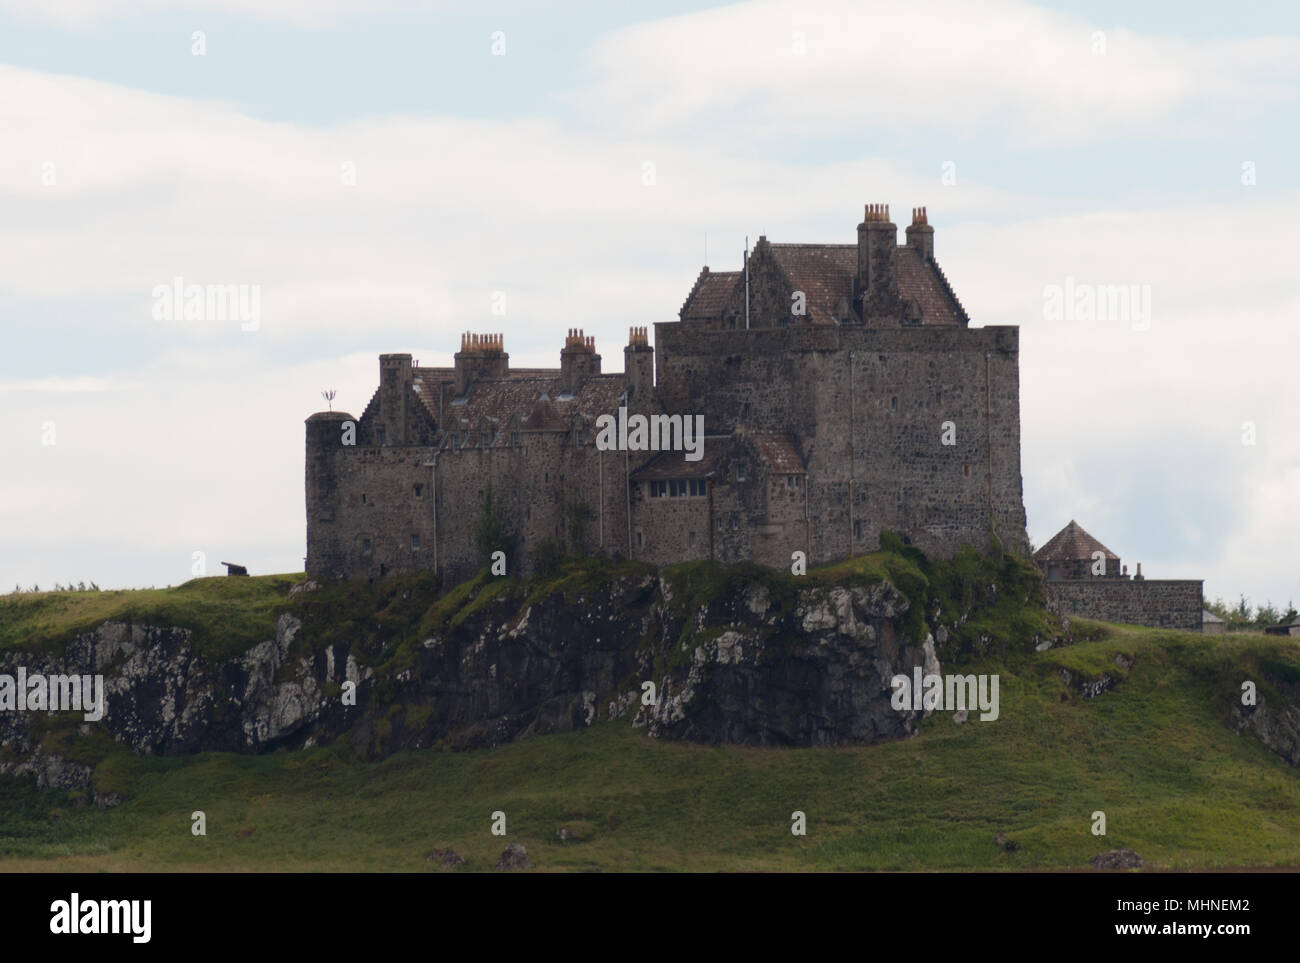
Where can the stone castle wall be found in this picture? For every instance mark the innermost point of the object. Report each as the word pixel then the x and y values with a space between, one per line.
pixel 1162 603
pixel 386 494
pixel 865 405
pixel 868 406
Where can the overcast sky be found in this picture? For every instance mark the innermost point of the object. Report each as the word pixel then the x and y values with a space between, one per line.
pixel 503 147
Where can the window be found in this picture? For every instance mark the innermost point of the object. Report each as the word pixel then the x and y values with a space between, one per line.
pixel 690 538
pixel 365 546
pixel 419 489
pixel 857 529
pixel 672 489
pixel 719 523
pixel 893 403
pixel 735 524
pixel 792 481
pixel 381 436
pixel 965 469
pixel 514 438
pixel 663 488
pixel 363 498
pixel 639 539
pixel 740 473
pixel 415 542
pixel 746 414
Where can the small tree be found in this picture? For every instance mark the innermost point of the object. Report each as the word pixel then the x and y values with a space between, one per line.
pixel 492 531
pixel 548 558
pixel 1266 615
pixel 576 517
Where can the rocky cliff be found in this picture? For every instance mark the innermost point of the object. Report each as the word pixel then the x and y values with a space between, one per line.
pixel 698 652
pixel 704 654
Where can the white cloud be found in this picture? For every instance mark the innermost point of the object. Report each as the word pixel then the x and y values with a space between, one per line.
pixel 444 212
pixel 940 64
pixel 80 14
pixel 1135 434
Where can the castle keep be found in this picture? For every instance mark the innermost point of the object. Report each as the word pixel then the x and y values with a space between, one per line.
pixel 842 391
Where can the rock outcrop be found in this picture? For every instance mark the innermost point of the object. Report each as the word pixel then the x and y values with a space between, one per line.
pixel 812 668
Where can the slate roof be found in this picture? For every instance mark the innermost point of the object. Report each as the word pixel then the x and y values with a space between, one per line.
pixel 1071 544
pixel 709 295
pixel 534 399
pixel 825 273
pixel 1208 616
pixel 673 464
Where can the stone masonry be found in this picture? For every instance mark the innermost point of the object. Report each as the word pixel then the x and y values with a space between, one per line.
pixel 843 392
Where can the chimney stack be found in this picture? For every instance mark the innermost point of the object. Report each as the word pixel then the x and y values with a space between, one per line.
pixel 480 356
pixel 395 379
pixel 920 235
pixel 638 369
pixel 877 281
pixel 578 360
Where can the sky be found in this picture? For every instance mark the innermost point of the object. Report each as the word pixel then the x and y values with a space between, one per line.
pixel 387 175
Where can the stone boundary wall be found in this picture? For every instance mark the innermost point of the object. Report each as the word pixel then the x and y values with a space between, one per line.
pixel 1160 603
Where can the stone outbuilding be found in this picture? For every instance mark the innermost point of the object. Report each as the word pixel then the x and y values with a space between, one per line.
pixel 1211 624
pixel 1082 577
pixel 1291 629
pixel 1073 553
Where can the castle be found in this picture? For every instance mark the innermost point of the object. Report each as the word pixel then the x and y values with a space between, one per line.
pixel 843 392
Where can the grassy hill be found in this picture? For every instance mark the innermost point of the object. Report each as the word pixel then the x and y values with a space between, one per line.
pixel 1154 753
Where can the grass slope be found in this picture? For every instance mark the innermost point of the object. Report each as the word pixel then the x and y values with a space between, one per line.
pixel 1176 784
pixel 226 615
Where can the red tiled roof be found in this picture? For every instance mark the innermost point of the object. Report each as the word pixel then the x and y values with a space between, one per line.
pixel 1071 544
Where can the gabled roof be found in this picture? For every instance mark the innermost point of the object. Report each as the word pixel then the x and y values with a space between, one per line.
pixel 709 295
pixel 825 274
pixel 673 464
pixel 1071 544
pixel 1208 616
pixel 535 402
